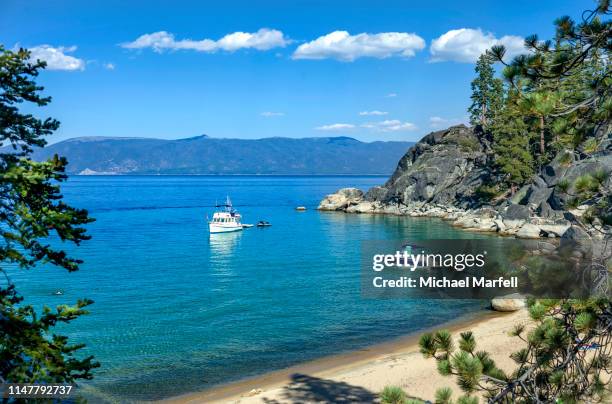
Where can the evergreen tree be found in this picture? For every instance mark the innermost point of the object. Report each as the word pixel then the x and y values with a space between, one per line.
pixel 538 105
pixel 565 358
pixel 32 214
pixel 512 146
pixel 487 93
pixel 566 86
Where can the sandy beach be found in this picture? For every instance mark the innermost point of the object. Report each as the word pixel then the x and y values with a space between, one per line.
pixel 359 376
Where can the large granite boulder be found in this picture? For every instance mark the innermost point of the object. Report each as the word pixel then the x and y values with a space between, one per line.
pixel 342 199
pixel 561 195
pixel 512 302
pixel 445 167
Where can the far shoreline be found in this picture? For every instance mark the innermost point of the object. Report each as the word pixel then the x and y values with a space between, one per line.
pixel 232 391
pixel 227 175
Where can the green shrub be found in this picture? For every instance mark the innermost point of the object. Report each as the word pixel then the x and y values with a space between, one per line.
pixel 601 176
pixel 563 185
pixel 590 145
pixel 566 158
pixel 393 395
pixel 487 192
pixel 469 144
pixel 586 184
pixel 444 396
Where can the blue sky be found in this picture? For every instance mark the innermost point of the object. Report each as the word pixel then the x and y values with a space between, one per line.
pixel 392 70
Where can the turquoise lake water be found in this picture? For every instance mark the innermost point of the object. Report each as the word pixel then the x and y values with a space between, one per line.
pixel 178 311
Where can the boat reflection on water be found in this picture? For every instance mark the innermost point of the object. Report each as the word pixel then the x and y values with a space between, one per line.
pixel 222 245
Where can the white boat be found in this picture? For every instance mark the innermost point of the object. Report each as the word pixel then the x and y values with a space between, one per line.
pixel 225 221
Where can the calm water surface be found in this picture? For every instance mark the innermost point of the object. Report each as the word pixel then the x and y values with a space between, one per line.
pixel 177 310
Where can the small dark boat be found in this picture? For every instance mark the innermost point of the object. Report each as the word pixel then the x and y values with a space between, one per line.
pixel 263 223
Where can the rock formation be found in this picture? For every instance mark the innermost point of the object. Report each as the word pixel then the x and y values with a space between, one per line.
pixel 440 177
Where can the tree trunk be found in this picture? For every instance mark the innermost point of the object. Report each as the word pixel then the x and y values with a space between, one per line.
pixel 542 145
pixel 483 119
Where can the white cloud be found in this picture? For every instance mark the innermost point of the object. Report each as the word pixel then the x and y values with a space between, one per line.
pixel 109 66
pixel 391 95
pixel 343 46
pixel 56 58
pixel 269 114
pixel 390 125
pixel 439 122
pixel 436 121
pixel 334 127
pixel 161 41
pixel 375 112
pixel 466 45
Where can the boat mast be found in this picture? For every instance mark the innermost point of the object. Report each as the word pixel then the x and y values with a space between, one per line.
pixel 228 205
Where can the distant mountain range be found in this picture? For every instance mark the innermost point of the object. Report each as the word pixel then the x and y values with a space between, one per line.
pixel 206 155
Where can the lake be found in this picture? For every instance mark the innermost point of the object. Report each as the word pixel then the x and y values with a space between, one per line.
pixel 177 310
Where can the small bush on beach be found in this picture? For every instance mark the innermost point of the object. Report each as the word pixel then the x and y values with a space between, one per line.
pixel 393 395
pixel 444 396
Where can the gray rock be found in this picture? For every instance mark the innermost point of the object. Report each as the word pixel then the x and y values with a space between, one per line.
pixel 546 211
pixel 529 230
pixel 557 168
pixel 578 240
pixel 520 195
pixel 559 198
pixel 557 229
pixel 538 192
pixel 362 207
pixel 341 199
pixel 376 194
pixel 512 302
pixel 445 167
pixel 517 212
pixel 486 212
pixel 546 247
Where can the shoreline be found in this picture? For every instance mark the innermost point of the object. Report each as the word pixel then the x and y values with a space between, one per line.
pixel 340 366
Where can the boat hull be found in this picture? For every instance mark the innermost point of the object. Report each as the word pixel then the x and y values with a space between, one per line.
pixel 215 228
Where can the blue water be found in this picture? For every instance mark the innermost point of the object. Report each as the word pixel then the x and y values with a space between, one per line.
pixel 178 311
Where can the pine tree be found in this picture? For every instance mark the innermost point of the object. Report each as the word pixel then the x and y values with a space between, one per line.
pixel 551 367
pixel 487 93
pixel 575 69
pixel 512 139
pixel 539 105
pixel 32 214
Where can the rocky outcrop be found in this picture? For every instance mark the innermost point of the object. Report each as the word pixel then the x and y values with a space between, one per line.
pixel 342 200
pixel 441 176
pixel 445 167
